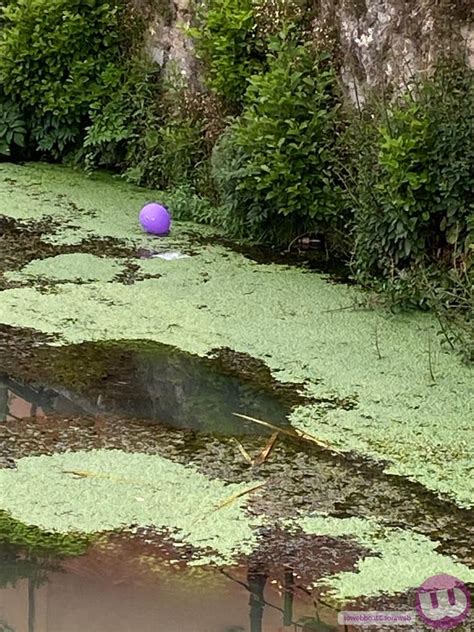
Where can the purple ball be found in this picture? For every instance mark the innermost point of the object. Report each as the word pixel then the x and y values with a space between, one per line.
pixel 155 219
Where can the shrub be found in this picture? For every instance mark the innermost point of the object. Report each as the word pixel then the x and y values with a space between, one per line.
pixel 450 295
pixel 411 180
pixel 275 167
pixel 174 147
pixel 227 169
pixel 415 176
pixel 228 43
pixel 115 136
pixel 59 58
pixel 12 127
pixel 232 39
pixel 189 207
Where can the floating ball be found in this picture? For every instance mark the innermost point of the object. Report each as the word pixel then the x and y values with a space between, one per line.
pixel 155 219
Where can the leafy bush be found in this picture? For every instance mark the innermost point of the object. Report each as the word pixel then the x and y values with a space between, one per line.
pixel 414 179
pixel 114 138
pixel 450 295
pixel 173 150
pixel 275 169
pixel 59 59
pixel 175 144
pixel 189 207
pixel 12 127
pixel 228 43
pixel 411 180
pixel 232 40
pixel 179 151
pixel 227 169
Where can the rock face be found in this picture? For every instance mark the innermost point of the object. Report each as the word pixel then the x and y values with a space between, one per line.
pixel 387 41
pixel 168 42
pixel 378 41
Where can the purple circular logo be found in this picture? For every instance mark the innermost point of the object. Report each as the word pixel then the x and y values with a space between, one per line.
pixel 443 602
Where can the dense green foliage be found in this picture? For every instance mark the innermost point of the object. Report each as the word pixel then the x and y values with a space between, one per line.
pixel 275 168
pixel 173 148
pixel 415 182
pixel 57 62
pixel 411 178
pixel 268 150
pixel 232 39
pixel 228 43
pixel 118 133
pixel 12 127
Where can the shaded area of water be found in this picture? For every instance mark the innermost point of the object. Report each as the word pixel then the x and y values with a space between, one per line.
pixel 309 253
pixel 148 382
pixel 104 592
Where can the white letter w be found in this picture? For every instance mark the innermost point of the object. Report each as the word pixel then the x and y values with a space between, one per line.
pixel 437 605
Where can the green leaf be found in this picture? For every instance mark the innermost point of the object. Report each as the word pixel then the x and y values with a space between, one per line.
pixel 452 235
pixel 19 140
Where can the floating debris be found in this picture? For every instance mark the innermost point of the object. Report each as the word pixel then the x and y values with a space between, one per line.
pixel 265 453
pixel 290 432
pixel 170 256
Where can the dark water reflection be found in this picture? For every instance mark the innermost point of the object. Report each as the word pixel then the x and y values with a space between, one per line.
pixel 85 595
pixel 157 383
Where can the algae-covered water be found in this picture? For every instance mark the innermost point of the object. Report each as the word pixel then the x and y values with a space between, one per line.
pixel 120 373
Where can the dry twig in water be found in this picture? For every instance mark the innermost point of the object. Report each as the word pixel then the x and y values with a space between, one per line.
pixel 265 453
pixel 244 452
pixel 296 434
pixel 228 501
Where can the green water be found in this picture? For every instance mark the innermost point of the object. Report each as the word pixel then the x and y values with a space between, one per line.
pixel 371 384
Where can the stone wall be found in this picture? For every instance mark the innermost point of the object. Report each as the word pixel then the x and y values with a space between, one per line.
pixel 168 42
pixel 387 41
pixel 378 41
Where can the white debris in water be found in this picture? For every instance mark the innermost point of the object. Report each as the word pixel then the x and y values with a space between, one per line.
pixel 170 256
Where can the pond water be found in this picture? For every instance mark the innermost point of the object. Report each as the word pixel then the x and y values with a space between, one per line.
pixel 139 442
pixel 148 382
pixel 103 592
pixel 131 587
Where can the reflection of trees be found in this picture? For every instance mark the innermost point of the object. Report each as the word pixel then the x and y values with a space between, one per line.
pixel 187 392
pixel 256 582
pixel 288 598
pixel 31 605
pixel 159 383
pixel 3 401
pixel 16 566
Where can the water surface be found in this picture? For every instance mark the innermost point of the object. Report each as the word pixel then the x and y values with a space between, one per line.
pixel 101 592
